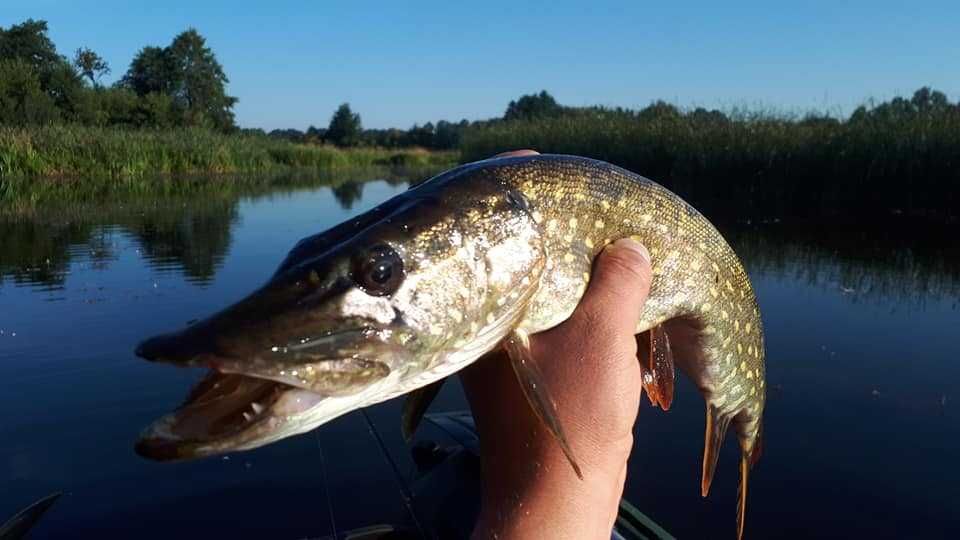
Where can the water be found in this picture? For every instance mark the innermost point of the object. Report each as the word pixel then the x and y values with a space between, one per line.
pixel 861 432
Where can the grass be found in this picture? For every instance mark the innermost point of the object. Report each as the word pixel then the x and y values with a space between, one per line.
pixel 46 163
pixel 761 164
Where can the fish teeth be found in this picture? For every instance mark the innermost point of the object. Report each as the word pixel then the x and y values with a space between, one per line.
pixel 257 408
pixel 247 416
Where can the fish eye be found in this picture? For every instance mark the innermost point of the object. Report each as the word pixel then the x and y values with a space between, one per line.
pixel 378 270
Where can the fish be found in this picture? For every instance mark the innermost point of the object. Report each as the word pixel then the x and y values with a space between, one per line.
pixel 475 259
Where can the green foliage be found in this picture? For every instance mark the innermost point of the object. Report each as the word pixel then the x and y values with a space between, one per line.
pixel 200 86
pixel 28 41
pixel 344 127
pixel 532 106
pixel 90 65
pixel 188 72
pixel 28 46
pixel 179 85
pixel 22 100
pixel 69 161
pixel 898 156
pixel 151 71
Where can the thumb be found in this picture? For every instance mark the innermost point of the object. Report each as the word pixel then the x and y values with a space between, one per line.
pixel 618 287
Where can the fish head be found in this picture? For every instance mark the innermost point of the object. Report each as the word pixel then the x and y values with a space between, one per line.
pixel 378 306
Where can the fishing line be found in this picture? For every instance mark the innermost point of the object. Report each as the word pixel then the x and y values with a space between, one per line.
pixel 326 491
pixel 405 493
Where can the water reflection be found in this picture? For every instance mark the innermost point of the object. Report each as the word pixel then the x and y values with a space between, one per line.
pixel 185 233
pixel 192 239
pixel 348 193
pixel 900 258
pixel 173 235
pixel 904 260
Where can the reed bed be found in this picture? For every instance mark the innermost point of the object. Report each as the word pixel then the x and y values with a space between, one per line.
pixel 39 163
pixel 761 164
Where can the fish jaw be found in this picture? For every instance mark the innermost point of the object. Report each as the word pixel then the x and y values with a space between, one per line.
pixel 225 413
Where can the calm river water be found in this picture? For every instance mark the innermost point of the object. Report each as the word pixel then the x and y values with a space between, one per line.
pixel 862 431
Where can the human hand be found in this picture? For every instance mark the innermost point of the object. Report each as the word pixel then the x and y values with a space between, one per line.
pixel 591 371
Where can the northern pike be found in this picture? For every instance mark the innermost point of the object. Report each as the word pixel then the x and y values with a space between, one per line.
pixel 479 257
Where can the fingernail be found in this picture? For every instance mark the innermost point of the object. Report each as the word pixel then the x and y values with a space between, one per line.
pixel 634 246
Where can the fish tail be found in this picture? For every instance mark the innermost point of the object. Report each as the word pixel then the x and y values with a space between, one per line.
pixel 750 449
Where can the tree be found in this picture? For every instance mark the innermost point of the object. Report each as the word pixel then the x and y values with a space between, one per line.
pixel 344 127
pixel 659 111
pixel 22 101
pixel 187 71
pixel 448 134
pixel 150 71
pixel 533 106
pixel 314 135
pixel 202 82
pixel 928 101
pixel 701 115
pixel 28 41
pixel 925 102
pixel 294 135
pixel 90 64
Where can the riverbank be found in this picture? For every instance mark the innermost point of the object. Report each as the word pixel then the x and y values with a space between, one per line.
pixel 75 162
pixel 91 152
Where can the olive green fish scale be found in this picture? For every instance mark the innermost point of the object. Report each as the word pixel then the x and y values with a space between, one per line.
pixel 582 205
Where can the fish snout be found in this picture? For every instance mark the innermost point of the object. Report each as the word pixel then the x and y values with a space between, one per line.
pixel 176 347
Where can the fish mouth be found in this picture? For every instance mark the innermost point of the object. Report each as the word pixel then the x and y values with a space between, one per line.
pixel 224 412
pixel 247 399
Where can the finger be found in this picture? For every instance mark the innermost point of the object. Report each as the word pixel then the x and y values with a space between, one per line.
pixel 621 278
pixel 517 153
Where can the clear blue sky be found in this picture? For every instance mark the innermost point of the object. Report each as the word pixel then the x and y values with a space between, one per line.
pixel 397 63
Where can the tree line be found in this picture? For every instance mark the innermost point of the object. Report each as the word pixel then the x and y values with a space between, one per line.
pixel 181 84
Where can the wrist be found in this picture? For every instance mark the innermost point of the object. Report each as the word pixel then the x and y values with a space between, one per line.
pixel 544 498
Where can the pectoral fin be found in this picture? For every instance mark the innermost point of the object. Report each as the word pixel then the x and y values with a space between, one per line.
pixel 415 406
pixel 517 345
pixel 656 363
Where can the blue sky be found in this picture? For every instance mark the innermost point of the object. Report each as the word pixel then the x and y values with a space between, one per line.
pixel 397 63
